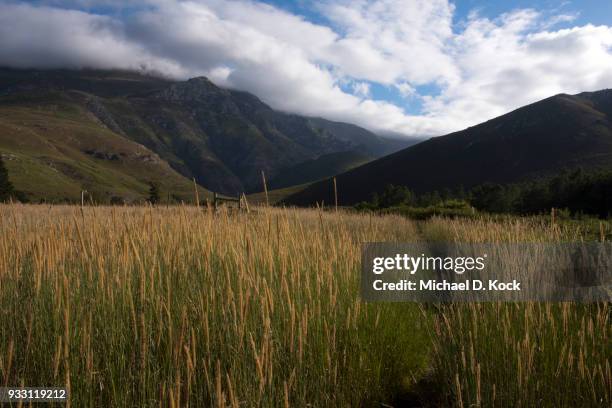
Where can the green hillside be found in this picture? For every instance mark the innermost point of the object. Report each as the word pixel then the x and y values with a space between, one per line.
pixel 54 149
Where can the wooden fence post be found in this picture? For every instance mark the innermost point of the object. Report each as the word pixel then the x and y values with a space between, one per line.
pixel 336 194
pixel 265 186
pixel 246 203
pixel 553 213
pixel 197 195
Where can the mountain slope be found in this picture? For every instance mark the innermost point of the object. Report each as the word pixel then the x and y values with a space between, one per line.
pixel 559 132
pixel 317 169
pixel 55 150
pixel 221 137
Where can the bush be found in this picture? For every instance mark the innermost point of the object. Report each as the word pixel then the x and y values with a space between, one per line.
pixel 154 195
pixel 116 200
pixel 6 188
pixel 450 209
pixel 393 196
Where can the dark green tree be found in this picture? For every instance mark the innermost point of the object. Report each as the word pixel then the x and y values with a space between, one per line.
pixel 394 195
pixel 153 193
pixel 6 188
pixel 430 198
pixel 495 198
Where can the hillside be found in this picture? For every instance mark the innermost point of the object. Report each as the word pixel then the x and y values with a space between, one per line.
pixel 55 150
pixel 540 139
pixel 317 169
pixel 274 196
pixel 220 137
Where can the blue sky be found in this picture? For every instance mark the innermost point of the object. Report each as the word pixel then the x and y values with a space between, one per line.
pixel 414 67
pixel 590 11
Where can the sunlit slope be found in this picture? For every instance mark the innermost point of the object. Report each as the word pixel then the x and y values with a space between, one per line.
pixel 54 149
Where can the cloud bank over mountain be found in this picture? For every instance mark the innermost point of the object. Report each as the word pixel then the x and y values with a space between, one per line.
pixel 407 66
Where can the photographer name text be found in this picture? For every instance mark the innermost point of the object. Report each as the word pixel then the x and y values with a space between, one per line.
pixel 444 285
pixel 410 265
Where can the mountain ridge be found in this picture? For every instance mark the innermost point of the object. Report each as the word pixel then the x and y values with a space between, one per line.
pixel 562 131
pixel 221 137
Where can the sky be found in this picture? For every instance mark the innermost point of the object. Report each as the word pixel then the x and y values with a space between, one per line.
pixel 411 67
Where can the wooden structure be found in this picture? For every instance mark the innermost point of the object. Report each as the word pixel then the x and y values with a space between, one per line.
pixel 218 199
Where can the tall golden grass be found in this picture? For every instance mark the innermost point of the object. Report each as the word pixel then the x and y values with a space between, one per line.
pixel 520 354
pixel 180 307
pixel 185 307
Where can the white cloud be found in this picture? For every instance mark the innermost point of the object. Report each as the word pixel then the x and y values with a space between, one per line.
pixel 390 40
pixel 361 89
pixel 504 66
pixel 559 19
pixel 57 38
pixel 482 69
pixel 406 90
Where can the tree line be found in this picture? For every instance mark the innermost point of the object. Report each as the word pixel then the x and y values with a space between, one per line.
pixel 577 191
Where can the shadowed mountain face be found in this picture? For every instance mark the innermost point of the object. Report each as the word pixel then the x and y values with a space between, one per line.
pixel 222 138
pixel 540 139
pixel 318 169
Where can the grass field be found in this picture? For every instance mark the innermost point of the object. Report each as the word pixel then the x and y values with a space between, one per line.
pixel 138 306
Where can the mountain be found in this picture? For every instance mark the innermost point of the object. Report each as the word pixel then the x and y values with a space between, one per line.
pixel 55 149
pixel 319 168
pixel 560 132
pixel 222 138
